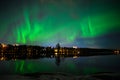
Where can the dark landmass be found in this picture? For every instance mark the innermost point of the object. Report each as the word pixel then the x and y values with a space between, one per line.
pixel 8 52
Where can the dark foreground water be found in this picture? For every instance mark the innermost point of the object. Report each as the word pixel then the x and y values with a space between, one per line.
pixel 75 66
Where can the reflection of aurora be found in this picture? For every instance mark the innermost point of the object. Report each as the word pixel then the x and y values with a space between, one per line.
pixel 75 66
pixel 47 65
pixel 32 66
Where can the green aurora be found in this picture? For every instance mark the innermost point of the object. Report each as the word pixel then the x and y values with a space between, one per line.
pixel 47 23
pixel 50 30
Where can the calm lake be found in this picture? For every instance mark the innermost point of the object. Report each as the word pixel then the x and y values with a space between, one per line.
pixel 76 66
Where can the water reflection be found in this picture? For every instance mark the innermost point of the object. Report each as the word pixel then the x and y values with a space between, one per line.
pixel 57 60
pixel 59 63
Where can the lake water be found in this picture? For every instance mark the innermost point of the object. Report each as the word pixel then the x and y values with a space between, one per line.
pixel 76 66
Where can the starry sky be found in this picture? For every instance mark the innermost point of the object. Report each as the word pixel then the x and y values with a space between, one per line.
pixel 82 23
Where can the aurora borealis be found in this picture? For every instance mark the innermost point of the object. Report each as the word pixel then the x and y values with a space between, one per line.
pixel 84 23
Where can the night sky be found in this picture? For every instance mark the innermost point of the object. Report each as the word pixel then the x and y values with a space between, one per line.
pixel 82 23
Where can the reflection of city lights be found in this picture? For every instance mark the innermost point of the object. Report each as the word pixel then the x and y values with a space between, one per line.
pixel 2 58
pixel 116 52
pixel 51 56
pixel 75 57
pixel 56 53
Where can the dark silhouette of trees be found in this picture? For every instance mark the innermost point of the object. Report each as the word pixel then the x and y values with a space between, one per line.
pixel 58 46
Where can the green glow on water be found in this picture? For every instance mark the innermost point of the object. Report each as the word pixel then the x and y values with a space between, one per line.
pixel 20 66
pixel 30 66
pixel 91 70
